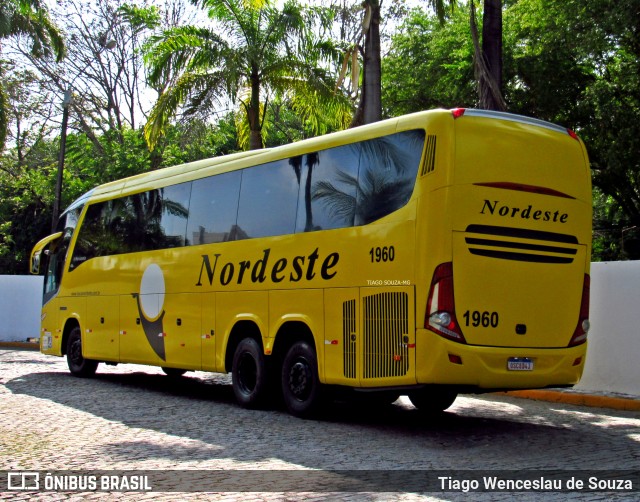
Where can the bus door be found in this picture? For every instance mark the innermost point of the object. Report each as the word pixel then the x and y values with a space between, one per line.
pixel 45 255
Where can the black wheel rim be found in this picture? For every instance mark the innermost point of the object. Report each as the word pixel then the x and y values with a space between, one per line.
pixel 247 373
pixel 300 379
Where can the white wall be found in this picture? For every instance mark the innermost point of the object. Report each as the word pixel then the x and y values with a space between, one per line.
pixel 613 356
pixel 20 306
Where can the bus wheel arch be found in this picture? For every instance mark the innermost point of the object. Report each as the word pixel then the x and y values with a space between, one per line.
pixel 69 326
pixel 72 341
pixel 288 334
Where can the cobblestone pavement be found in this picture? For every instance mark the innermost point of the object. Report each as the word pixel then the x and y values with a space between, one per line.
pixel 135 418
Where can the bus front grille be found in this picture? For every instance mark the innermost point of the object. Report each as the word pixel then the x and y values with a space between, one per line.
pixel 349 338
pixel 385 326
pixel 508 243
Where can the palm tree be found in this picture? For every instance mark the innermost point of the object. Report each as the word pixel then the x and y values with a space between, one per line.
pixel 370 106
pixel 488 56
pixel 255 54
pixel 30 19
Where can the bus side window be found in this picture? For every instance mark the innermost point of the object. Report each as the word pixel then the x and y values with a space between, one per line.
pixel 388 170
pixel 268 200
pixel 328 189
pixel 214 209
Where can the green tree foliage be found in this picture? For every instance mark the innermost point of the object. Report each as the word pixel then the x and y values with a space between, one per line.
pixel 26 19
pixel 255 54
pixel 430 65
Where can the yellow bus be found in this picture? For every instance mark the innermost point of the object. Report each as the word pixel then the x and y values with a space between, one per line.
pixel 441 252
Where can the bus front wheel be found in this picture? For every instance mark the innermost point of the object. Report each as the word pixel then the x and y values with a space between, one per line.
pixel 78 365
pixel 433 399
pixel 249 374
pixel 301 388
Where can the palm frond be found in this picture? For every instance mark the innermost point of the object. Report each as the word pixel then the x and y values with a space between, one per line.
pixel 340 204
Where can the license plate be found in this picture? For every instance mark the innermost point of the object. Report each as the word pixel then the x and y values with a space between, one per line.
pixel 520 364
pixel 47 341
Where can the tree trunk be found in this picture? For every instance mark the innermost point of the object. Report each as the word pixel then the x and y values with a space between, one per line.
pixel 372 68
pixel 488 72
pixel 370 106
pixel 253 113
pixel 492 49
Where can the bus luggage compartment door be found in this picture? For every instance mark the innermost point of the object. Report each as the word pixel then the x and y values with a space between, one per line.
pixel 370 339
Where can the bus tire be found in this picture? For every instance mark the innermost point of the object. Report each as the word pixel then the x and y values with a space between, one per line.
pixel 78 365
pixel 301 387
pixel 433 399
pixel 249 374
pixel 173 372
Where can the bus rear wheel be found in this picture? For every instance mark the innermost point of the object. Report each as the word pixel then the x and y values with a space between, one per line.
pixel 433 399
pixel 249 374
pixel 301 387
pixel 78 365
pixel 173 372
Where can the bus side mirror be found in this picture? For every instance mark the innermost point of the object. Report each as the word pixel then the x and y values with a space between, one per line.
pixel 39 248
pixel 35 262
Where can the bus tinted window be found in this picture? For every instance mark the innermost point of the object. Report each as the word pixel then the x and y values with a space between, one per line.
pixel 155 219
pixel 146 221
pixel 359 183
pixel 58 252
pixel 388 169
pixel 268 200
pixel 338 187
pixel 328 197
pixel 213 209
pixel 175 211
pixel 95 237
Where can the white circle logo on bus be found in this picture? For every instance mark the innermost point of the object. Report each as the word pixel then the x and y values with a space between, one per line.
pixel 152 291
pixel 150 301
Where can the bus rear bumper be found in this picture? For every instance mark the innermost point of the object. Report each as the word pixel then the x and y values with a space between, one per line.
pixel 442 361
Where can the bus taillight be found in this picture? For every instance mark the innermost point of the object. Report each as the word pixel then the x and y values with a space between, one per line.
pixel 582 328
pixel 440 316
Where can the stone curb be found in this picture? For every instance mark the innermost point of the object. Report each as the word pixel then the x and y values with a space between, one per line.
pixel 592 400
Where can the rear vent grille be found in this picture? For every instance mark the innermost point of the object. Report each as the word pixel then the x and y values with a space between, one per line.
pixel 429 156
pixel 349 337
pixel 523 245
pixel 385 324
